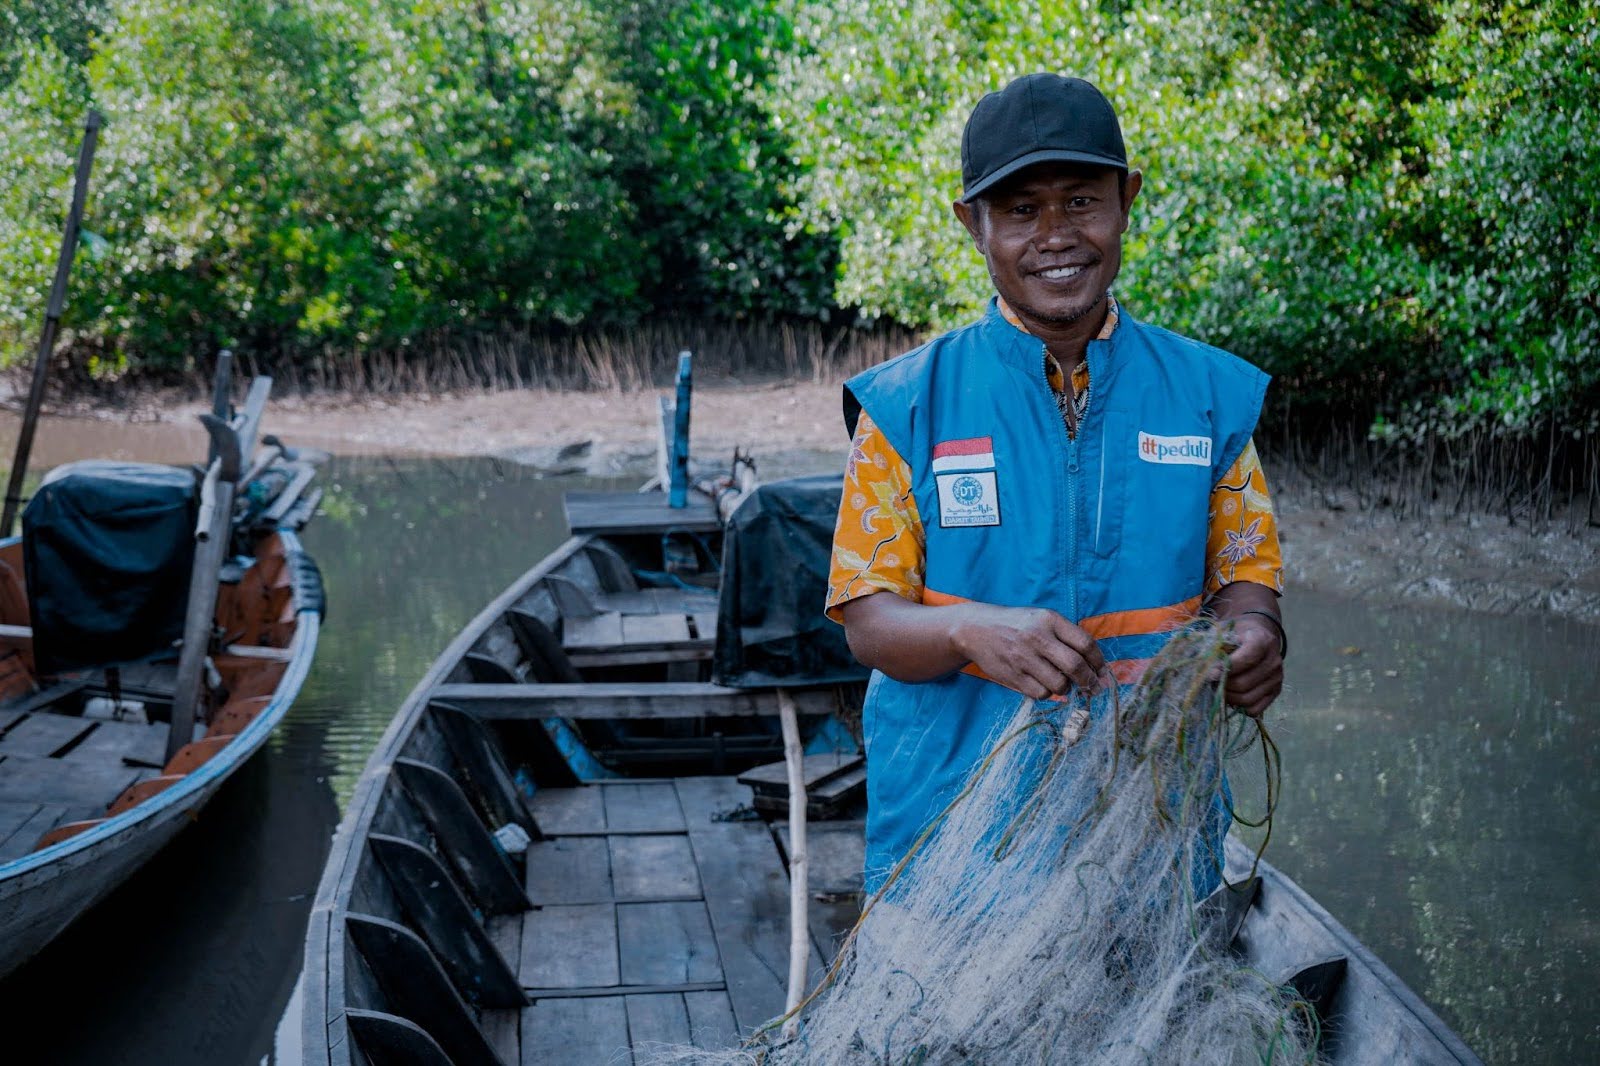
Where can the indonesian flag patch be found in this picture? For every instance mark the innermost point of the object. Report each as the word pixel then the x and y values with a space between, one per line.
pixel 974 453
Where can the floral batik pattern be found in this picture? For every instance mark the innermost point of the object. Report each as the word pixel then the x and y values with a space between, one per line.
pixel 878 544
pixel 1242 542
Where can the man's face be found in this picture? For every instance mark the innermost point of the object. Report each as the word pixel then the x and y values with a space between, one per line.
pixel 1052 236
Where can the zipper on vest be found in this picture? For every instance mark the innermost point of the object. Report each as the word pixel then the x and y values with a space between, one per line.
pixel 1072 480
pixel 1072 521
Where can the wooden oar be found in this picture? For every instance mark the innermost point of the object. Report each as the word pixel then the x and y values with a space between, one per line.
pixel 230 442
pixel 52 320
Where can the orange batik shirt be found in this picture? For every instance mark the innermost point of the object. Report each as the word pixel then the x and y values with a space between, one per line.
pixel 879 543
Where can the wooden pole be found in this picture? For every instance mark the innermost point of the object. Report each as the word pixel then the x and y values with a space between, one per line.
pixel 678 490
pixel 221 393
pixel 230 441
pixel 52 321
pixel 799 892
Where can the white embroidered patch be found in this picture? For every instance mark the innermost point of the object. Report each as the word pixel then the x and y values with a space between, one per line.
pixel 1184 451
pixel 968 499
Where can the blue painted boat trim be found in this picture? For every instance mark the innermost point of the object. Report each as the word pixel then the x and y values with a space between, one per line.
pixel 219 766
pixel 678 486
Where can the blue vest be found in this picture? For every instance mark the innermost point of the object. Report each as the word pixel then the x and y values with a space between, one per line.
pixel 1108 529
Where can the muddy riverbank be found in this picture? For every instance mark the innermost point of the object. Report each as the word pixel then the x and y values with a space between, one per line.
pixel 1332 545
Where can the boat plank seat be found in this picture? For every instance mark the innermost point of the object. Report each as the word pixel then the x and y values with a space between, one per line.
pixel 653 919
pixel 833 781
pixel 575 600
pixel 616 639
pixel 670 699
pixel 138 680
pixel 638 512
pixel 634 626
pixel 25 778
pixel 43 734
pixel 111 743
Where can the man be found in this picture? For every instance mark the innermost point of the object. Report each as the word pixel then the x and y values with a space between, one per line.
pixel 1048 491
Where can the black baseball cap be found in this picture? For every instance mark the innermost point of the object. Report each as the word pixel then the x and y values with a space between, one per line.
pixel 1039 118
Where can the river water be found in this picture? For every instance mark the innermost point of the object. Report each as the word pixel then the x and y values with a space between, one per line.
pixel 1440 790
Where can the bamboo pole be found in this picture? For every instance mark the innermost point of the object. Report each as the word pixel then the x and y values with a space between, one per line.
pixel 799 893
pixel 52 321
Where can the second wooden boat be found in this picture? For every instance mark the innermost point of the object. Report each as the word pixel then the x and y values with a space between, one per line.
pixel 111 739
pixel 496 894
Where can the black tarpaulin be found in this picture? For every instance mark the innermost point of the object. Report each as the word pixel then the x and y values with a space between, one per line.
pixel 770 626
pixel 107 548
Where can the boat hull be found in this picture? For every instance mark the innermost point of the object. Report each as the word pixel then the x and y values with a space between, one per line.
pixel 36 906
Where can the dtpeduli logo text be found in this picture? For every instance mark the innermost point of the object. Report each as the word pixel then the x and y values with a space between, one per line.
pixel 1183 451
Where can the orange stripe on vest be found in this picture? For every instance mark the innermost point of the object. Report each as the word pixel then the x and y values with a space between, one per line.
pixel 1146 620
pixel 1111 624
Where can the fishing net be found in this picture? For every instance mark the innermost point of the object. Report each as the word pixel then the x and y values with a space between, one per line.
pixel 1050 914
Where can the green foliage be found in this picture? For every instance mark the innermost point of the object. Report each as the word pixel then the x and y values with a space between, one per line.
pixel 474 172
pixel 1507 212
pixel 360 173
pixel 1373 200
pixel 712 175
pixel 65 24
pixel 35 185
pixel 201 99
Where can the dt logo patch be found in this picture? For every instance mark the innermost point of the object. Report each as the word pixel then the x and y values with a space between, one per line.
pixel 964 471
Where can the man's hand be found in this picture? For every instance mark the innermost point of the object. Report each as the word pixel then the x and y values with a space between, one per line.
pixel 1030 649
pixel 1255 668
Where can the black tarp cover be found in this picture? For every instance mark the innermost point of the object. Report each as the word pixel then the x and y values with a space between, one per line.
pixel 107 548
pixel 775 552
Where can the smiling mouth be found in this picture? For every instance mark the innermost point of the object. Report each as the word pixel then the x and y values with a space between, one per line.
pixel 1062 273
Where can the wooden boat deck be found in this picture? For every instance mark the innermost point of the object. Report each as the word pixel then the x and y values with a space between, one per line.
pixel 57 768
pixel 661 915
pixel 622 513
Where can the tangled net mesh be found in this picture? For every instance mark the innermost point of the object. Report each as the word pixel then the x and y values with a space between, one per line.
pixel 1049 915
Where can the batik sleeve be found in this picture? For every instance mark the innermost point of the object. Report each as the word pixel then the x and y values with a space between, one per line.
pixel 1242 540
pixel 878 544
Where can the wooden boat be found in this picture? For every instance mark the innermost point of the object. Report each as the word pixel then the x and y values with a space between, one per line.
pixel 642 909
pixel 92 784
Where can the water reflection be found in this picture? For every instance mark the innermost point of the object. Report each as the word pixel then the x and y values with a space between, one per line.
pixel 1439 799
